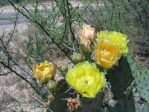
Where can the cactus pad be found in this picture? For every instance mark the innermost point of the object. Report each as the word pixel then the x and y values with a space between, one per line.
pixel 141 76
pixel 120 78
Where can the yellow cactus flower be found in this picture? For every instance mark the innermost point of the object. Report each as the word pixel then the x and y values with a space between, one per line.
pixel 87 35
pixel 117 39
pixel 44 71
pixel 110 47
pixel 107 54
pixel 86 79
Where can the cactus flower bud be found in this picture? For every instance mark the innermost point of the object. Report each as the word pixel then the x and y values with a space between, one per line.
pixel 52 84
pixel 64 68
pixel 44 71
pixel 76 57
pixel 87 35
pixel 73 104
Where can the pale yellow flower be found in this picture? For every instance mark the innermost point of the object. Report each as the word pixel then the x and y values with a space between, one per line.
pixel 87 35
pixel 44 71
pixel 86 79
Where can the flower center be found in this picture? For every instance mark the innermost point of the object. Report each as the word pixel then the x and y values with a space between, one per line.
pixel 41 68
pixel 86 82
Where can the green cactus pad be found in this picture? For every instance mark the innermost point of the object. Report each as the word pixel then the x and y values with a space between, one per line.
pixel 129 105
pixel 120 78
pixel 142 81
pixel 141 76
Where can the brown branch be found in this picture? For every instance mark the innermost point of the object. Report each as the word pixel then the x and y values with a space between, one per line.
pixel 25 74
pixel 69 19
pixel 31 81
pixel 3 74
pixel 14 27
pixel 40 26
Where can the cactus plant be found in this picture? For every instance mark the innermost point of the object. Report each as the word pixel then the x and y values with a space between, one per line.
pixel 120 78
pixel 129 105
pixel 141 80
pixel 141 77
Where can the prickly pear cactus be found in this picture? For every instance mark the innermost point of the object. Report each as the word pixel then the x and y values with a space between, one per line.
pixel 142 81
pixel 92 105
pixel 129 105
pixel 120 78
pixel 141 77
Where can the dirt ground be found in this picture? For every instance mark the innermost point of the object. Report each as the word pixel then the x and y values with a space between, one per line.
pixel 17 96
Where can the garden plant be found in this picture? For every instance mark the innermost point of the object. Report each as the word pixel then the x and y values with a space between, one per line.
pixel 103 74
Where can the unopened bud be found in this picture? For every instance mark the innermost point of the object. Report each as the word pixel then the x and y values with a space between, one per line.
pixel 76 57
pixel 52 84
pixel 64 68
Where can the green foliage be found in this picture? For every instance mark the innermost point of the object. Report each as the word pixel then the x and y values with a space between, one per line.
pixel 129 16
pixel 113 15
pixel 35 48
pixel 56 22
